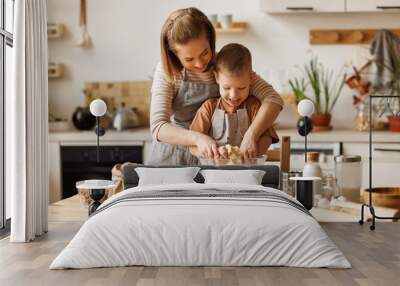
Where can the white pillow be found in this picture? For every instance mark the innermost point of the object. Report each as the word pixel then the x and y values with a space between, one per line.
pixel 165 176
pixel 249 177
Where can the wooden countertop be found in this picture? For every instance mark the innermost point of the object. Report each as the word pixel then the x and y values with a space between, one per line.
pixel 71 210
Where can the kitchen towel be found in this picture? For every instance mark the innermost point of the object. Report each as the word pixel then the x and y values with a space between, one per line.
pixel 384 47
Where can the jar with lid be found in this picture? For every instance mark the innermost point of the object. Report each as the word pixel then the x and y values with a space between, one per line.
pixel 288 186
pixel 330 189
pixel 348 174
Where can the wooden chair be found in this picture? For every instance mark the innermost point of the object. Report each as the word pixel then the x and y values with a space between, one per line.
pixel 281 155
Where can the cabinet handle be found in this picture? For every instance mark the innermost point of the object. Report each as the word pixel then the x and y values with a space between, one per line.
pixel 386 150
pixel 387 7
pixel 300 8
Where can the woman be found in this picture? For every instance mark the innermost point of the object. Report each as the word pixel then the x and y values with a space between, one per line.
pixel 183 81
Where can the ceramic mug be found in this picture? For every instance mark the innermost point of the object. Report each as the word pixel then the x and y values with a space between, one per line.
pixel 213 19
pixel 225 20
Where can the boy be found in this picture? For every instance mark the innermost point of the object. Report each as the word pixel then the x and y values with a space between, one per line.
pixel 227 118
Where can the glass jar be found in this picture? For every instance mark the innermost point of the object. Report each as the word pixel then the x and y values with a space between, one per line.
pixel 362 117
pixel 330 188
pixel 289 186
pixel 348 174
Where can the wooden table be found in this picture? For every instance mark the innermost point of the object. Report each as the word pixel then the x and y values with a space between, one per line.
pixel 72 210
pixel 69 209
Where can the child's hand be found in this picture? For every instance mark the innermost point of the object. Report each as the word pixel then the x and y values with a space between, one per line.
pixel 223 152
pixel 248 148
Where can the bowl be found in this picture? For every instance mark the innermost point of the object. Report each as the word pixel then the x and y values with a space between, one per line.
pixel 243 162
pixel 384 197
pixel 85 185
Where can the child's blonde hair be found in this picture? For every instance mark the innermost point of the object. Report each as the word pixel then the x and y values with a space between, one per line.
pixel 182 26
pixel 234 59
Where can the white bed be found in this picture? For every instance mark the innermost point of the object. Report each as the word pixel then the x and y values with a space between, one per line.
pixel 246 225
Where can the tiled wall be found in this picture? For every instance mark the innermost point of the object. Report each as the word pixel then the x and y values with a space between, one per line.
pixel 114 93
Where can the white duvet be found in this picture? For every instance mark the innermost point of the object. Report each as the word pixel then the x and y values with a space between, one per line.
pixel 200 231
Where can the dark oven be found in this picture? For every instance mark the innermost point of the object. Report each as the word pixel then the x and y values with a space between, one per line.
pixel 80 163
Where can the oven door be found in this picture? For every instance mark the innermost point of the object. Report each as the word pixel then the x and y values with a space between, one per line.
pixel 80 163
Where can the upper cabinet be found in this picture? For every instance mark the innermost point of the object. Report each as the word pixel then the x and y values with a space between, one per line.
pixel 297 6
pixel 373 5
pixel 326 6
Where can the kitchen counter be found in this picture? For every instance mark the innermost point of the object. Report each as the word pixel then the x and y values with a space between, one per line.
pixel 137 134
pixel 143 134
pixel 352 142
pixel 343 135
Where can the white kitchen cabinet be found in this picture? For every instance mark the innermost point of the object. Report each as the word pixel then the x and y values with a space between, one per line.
pixel 385 163
pixel 297 6
pixel 55 191
pixel 373 6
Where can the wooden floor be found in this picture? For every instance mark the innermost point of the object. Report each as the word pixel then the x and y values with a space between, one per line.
pixel 374 255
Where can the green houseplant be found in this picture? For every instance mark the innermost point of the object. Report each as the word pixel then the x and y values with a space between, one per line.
pixel 323 87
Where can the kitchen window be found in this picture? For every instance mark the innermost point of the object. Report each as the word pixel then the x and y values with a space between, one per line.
pixel 6 44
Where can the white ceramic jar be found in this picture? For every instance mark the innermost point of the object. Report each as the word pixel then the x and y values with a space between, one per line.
pixel 313 169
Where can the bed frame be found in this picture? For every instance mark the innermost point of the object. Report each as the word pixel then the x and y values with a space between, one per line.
pixel 271 178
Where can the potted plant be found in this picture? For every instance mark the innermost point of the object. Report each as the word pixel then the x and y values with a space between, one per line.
pixel 325 88
pixel 361 86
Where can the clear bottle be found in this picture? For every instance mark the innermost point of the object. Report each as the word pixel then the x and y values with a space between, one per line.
pixel 313 169
pixel 362 117
pixel 330 189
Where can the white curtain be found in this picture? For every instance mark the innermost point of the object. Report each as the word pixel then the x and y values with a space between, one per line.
pixel 27 123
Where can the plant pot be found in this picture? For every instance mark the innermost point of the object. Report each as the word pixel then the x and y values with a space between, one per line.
pixel 394 123
pixel 321 121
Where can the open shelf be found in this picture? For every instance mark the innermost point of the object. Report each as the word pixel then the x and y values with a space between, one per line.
pixel 55 30
pixel 345 37
pixel 236 27
pixel 55 70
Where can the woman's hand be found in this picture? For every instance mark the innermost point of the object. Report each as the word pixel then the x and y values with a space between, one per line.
pixel 248 148
pixel 207 147
pixel 223 152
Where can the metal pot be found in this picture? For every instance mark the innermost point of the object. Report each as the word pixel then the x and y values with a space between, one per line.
pixel 126 118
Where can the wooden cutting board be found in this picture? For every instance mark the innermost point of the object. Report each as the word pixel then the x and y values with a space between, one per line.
pixel 355 209
pixel 133 93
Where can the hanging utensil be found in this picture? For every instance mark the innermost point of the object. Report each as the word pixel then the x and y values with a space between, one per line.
pixel 387 108
pixel 84 38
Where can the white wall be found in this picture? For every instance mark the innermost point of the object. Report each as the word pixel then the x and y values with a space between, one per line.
pixel 125 34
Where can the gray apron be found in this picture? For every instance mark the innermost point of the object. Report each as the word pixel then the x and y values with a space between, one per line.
pixel 185 104
pixel 229 128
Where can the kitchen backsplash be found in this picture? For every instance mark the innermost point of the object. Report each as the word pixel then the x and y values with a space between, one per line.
pixel 115 93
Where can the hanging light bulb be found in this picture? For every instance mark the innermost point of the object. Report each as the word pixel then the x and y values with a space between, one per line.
pixel 98 108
